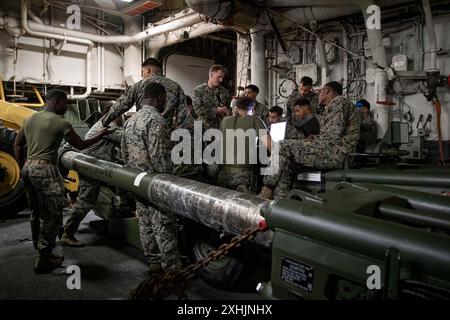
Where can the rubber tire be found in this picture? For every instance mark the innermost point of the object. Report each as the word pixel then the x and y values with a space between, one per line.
pixel 239 263
pixel 7 137
pixel 16 200
pixel 13 202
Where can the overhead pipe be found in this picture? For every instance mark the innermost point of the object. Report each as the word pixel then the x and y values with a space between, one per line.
pixel 198 30
pixel 189 19
pixel 237 14
pixel 11 25
pixel 88 43
pixel 431 34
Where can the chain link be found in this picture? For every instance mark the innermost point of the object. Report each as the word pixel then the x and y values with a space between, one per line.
pixel 162 285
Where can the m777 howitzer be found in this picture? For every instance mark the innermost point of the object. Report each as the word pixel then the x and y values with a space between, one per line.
pixel 355 242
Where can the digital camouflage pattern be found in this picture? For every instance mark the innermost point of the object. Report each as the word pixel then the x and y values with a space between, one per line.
pixel 239 179
pixel 188 169
pixel 146 145
pixel 292 132
pixel 88 189
pixel 45 190
pixel 261 111
pixel 158 236
pixel 104 148
pixel 339 134
pixel 368 130
pixel 175 109
pixel 205 102
pixel 146 142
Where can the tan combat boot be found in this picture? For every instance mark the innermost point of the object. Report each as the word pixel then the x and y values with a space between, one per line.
pixel 71 241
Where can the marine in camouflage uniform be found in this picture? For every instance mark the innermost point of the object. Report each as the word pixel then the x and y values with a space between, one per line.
pixel 251 91
pixel 261 111
pixel 88 189
pixel 146 145
pixel 368 133
pixel 339 134
pixel 206 100
pixel 313 99
pixel 175 110
pixel 42 133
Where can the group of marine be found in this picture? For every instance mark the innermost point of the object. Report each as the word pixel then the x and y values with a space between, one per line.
pixel 322 127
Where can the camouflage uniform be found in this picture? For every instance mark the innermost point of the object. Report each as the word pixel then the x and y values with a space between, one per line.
pixel 313 99
pixel 261 111
pixel 175 109
pixel 45 190
pixel 43 133
pixel 146 145
pixel 338 137
pixel 293 133
pixel 187 170
pixel 88 189
pixel 368 130
pixel 206 100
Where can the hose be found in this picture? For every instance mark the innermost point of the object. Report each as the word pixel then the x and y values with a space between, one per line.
pixel 438 108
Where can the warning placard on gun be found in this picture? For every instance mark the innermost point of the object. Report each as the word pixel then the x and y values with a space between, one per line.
pixel 297 273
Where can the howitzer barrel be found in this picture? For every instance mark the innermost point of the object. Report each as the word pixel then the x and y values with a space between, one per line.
pixel 430 203
pixel 216 207
pixel 392 177
pixel 362 234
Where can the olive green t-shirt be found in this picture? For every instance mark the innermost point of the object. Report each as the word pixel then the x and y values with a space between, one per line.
pixel 245 151
pixel 44 132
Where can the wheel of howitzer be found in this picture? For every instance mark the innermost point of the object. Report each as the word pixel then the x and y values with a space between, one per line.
pixel 12 192
pixel 227 271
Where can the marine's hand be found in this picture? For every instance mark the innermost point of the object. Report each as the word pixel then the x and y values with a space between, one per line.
pixel 105 131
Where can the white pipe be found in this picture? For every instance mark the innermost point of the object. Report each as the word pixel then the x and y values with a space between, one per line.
pixel 258 63
pixel 102 83
pixel 12 26
pixel 431 34
pixel 197 30
pixel 381 112
pixel 99 72
pixel 374 37
pixel 64 38
pixel 188 20
pixel 323 61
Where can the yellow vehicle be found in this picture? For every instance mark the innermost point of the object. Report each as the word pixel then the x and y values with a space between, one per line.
pixel 12 117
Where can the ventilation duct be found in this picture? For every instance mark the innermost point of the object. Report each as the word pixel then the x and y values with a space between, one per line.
pixel 228 13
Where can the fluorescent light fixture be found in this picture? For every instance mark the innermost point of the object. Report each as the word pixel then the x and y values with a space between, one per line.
pixel 126 0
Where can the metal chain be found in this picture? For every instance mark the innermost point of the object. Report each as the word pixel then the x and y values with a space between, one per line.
pixel 160 286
